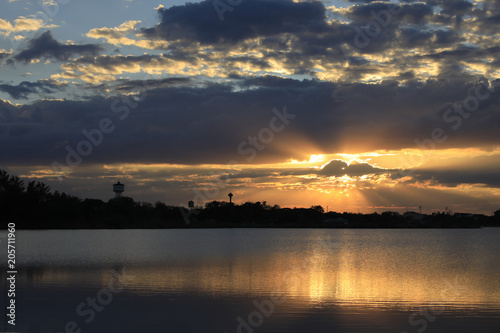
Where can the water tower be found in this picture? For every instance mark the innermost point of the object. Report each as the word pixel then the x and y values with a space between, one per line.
pixel 118 188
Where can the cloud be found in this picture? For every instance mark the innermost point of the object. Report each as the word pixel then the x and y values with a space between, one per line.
pixel 453 178
pixel 408 13
pixel 119 36
pixel 295 38
pixel 363 101
pixel 25 88
pixel 368 1
pixel 140 85
pixel 4 55
pixel 22 24
pixel 199 21
pixel 46 47
pixel 477 170
pixel 284 37
pixel 339 168
pixel 181 121
pixel 105 68
pixel 453 7
pixel 335 168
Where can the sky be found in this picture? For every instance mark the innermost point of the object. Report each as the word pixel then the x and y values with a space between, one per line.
pixel 354 105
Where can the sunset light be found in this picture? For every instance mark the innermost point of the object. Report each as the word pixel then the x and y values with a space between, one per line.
pixel 250 166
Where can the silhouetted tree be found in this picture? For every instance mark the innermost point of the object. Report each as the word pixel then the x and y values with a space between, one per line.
pixel 496 218
pixel 10 184
pixel 318 209
pixel 93 208
pixel 215 204
pixel 12 196
pixel 37 192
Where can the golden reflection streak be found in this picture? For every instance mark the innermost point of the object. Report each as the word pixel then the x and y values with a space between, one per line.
pixel 322 274
pixel 375 285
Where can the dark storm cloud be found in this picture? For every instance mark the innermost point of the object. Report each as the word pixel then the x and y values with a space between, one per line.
pixel 297 37
pixel 25 88
pixel 301 28
pixel 482 170
pixel 454 178
pixel 3 56
pixel 128 85
pixel 416 37
pixel 409 13
pixel 449 5
pixel 467 52
pixel 485 17
pixel 275 21
pixel 453 7
pixel 277 82
pixel 46 47
pixel 180 124
pixel 340 168
pixel 449 12
pixel 495 20
pixel 258 18
pixel 368 1
pixel 444 37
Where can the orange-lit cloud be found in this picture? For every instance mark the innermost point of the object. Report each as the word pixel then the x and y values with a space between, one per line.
pixel 364 187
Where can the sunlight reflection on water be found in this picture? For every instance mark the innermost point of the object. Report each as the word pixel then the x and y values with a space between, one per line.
pixel 320 274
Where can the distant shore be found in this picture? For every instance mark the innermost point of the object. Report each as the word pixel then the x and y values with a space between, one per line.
pixel 251 215
pixel 35 206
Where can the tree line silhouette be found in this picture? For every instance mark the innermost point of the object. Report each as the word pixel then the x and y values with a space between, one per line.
pixel 33 205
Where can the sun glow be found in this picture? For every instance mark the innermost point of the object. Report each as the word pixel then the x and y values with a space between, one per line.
pixel 380 180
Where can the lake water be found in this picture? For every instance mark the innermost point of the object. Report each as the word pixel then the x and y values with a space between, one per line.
pixel 257 280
